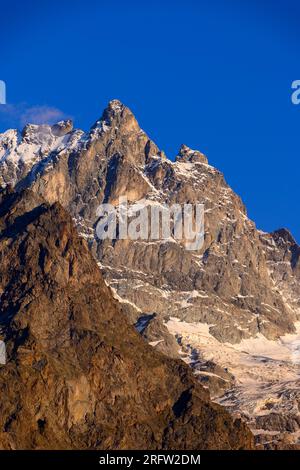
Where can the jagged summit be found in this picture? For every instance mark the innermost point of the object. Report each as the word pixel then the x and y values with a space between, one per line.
pixel 118 118
pixel 40 132
pixel 20 153
pixel 186 154
pixel 115 108
pixel 116 105
pixel 62 128
pixel 285 235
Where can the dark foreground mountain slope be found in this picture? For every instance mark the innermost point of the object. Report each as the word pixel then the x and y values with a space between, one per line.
pixel 77 375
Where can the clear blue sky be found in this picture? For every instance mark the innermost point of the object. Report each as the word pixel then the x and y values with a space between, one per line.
pixel 215 75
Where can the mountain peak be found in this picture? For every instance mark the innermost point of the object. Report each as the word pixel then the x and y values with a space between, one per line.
pixel 283 234
pixel 118 118
pixel 186 154
pixel 62 128
pixel 116 110
pixel 116 105
pixel 41 132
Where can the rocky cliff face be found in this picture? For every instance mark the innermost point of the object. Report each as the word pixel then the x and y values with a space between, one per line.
pixel 230 283
pixel 241 284
pixel 77 375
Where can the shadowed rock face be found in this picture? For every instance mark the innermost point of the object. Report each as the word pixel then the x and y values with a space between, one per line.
pixel 77 375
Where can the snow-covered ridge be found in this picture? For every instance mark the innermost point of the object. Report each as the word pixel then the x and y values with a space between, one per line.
pixel 22 151
pixel 266 374
pixel 35 141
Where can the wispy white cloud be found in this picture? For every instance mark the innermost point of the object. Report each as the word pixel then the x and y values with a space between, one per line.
pixel 41 115
pixel 21 114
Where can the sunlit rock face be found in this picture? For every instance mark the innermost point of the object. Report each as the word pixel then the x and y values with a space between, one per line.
pixel 236 282
pixel 242 283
